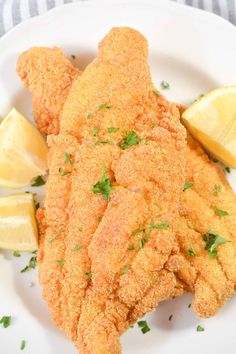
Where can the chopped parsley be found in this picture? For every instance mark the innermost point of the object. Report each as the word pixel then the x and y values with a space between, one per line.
pixel 227 169
pixel 139 231
pixel 130 140
pixel 73 56
pixel 80 229
pixel 165 85
pixel 16 254
pixel 38 181
pixel 61 262
pixel 187 185
pixel 191 252
pixel 37 205
pixel 131 247
pixel 112 130
pixel 156 92
pixel 103 186
pixel 102 142
pixel 103 106
pixel 23 345
pixel 170 318
pixel 63 172
pixel 217 189
pixel 56 236
pixel 220 212
pixel 78 247
pixel 161 226
pixel 89 275
pixel 144 326
pixel 90 116
pixel 142 242
pixel 32 264
pixel 189 305
pixel 5 321
pixel 212 241
pixel 124 271
pixel 200 328
pixel 67 158
pixel 95 131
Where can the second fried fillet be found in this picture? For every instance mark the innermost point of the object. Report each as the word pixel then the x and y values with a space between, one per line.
pixel 48 75
pixel 112 206
pixel 208 206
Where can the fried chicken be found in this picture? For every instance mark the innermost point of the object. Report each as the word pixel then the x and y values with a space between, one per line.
pixel 48 75
pixel 112 198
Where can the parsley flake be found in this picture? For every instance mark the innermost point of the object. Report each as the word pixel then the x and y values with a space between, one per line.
pixel 23 345
pixel 16 254
pixel 78 247
pixel 139 231
pixel 38 181
pixel 67 158
pixel 102 142
pixel 227 169
pixel 63 172
pixel 220 212
pixel 5 321
pixel 189 305
pixel 103 106
pixel 112 130
pixel 144 326
pixel 89 275
pixel 187 186
pixel 212 241
pixel 142 242
pixel 191 252
pixel 131 247
pixel 56 236
pixel 73 56
pixel 165 85
pixel 200 328
pixel 156 92
pixel 95 131
pixel 170 318
pixel 32 265
pixel 124 271
pixel 103 186
pixel 130 140
pixel 217 189
pixel 90 116
pixel 61 262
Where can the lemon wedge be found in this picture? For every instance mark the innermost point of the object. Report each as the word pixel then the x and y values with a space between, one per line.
pixel 212 121
pixel 18 228
pixel 23 151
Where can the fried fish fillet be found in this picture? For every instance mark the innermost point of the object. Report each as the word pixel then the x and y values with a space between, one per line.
pixel 210 205
pixel 48 75
pixel 211 280
pixel 112 198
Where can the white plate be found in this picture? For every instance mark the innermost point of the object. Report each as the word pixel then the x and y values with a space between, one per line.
pixel 195 52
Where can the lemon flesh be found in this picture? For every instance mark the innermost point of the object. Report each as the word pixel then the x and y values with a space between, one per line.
pixel 212 121
pixel 18 228
pixel 23 151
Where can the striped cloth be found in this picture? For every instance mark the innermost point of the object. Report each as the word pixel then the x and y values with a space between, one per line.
pixel 13 12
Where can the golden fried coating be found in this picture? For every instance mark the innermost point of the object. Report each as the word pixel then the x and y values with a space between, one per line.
pixel 211 279
pixel 102 261
pixel 48 75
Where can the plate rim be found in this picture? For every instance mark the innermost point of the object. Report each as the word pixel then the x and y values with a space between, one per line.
pixel 203 15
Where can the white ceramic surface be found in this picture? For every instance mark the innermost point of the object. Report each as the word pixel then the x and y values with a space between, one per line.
pixel 195 52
